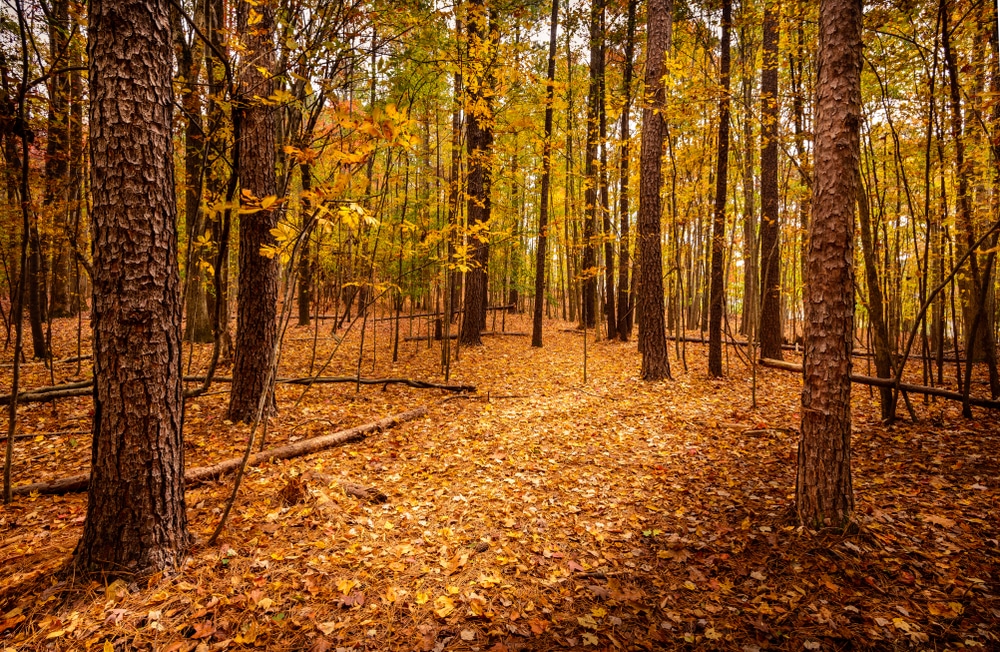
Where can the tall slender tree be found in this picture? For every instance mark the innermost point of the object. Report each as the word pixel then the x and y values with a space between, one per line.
pixel 824 493
pixel 770 276
pixel 717 300
pixel 136 520
pixel 541 253
pixel 479 145
pixel 649 302
pixel 625 307
pixel 589 269
pixel 257 297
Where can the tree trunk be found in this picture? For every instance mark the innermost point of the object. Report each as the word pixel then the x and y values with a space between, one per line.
pixel 649 303
pixel 307 257
pixel 589 269
pixel 972 286
pixel 824 494
pixel 136 520
pixel 197 321
pixel 624 303
pixel 541 253
pixel 751 255
pixel 479 144
pixel 770 247
pixel 610 313
pixel 876 302
pixel 56 162
pixel 257 297
pixel 717 303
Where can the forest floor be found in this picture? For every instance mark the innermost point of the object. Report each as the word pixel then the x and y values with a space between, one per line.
pixel 541 513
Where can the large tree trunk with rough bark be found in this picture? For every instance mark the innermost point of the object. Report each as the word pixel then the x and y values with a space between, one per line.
pixel 824 495
pixel 257 297
pixel 770 266
pixel 717 286
pixel 649 302
pixel 136 520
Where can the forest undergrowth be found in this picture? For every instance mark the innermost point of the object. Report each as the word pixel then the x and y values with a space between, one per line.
pixel 539 513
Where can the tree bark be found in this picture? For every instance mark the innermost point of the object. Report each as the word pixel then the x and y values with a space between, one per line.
pixel 876 301
pixel 625 307
pixel 136 520
pixel 541 253
pixel 589 269
pixel 649 302
pixel 824 493
pixel 257 297
pixel 479 144
pixel 770 247
pixel 57 161
pixel 717 303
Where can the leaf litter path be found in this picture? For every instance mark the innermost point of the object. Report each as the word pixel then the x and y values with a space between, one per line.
pixel 615 515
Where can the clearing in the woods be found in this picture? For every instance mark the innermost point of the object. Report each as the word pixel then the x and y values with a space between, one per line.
pixel 537 513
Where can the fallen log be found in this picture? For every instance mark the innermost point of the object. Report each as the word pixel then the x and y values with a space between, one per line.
pixel 84 387
pixel 57 433
pixel 454 336
pixel 202 474
pixel 888 382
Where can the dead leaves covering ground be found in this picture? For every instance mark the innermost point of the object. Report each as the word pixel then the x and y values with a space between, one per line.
pixel 616 515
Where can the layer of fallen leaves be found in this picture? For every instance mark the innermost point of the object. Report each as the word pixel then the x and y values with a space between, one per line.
pixel 540 514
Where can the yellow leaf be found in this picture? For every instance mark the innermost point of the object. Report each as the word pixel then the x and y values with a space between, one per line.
pixel 254 18
pixel 108 647
pixel 599 612
pixel 345 586
pixel 443 606
pixel 422 597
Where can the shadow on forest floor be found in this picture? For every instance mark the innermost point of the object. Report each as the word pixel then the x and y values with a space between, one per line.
pixel 616 515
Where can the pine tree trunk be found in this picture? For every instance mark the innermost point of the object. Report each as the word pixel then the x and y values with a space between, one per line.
pixel 717 288
pixel 136 520
pixel 649 303
pixel 824 494
pixel 257 297
pixel 770 248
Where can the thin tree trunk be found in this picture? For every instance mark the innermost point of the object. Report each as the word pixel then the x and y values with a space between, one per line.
pixel 541 253
pixel 770 245
pixel 625 306
pixel 717 303
pixel 257 297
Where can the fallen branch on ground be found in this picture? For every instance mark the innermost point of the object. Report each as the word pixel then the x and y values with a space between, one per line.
pixel 58 433
pixel 203 474
pixel 888 382
pixel 454 336
pixel 84 387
